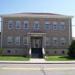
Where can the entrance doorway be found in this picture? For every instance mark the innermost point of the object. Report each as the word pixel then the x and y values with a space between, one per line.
pixel 36 47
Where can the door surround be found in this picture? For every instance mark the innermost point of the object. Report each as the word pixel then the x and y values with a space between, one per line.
pixel 36 42
pixel 38 35
pixel 36 47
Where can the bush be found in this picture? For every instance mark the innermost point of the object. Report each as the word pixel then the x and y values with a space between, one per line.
pixel 71 52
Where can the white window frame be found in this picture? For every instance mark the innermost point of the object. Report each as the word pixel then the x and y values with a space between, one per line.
pixel 47 25
pixel 63 40
pixel 36 25
pixel 55 26
pixel 55 41
pixel 62 26
pixel 9 40
pixel 18 24
pixel 47 41
pixel 17 40
pixel 10 24
pixel 25 40
pixel 24 27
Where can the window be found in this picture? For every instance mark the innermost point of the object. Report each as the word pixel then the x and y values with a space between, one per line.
pixel 25 40
pixel 9 40
pixel 26 25
pixel 17 40
pixel 55 52
pixel 18 24
pixel 47 25
pixel 63 52
pixel 62 26
pixel 9 51
pixel 36 25
pixel 47 42
pixel 10 24
pixel 55 26
pixel 55 41
pixel 63 41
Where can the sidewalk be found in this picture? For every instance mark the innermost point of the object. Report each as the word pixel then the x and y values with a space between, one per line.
pixel 37 61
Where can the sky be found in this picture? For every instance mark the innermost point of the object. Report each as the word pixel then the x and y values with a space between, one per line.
pixel 65 7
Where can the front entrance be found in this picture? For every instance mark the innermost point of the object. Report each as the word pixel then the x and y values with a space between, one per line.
pixel 36 47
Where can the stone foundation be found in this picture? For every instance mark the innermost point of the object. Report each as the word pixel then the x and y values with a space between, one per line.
pixel 25 52
pixel 56 52
pixel 15 51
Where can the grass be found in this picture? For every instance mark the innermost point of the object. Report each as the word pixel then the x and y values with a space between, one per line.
pixel 1 48
pixel 22 58
pixel 58 58
pixel 13 58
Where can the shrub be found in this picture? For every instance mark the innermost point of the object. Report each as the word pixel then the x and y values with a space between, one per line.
pixel 71 52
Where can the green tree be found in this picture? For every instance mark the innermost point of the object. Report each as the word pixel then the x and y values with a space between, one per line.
pixel 71 52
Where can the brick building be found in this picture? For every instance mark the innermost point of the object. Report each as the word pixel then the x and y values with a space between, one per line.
pixel 35 34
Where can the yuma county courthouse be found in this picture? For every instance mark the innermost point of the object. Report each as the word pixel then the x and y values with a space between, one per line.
pixel 35 34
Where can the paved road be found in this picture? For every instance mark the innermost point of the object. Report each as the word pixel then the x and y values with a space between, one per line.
pixel 37 69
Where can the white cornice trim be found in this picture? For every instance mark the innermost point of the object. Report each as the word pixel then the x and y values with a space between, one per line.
pixel 37 16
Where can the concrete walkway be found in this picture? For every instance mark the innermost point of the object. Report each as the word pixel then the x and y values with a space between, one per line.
pixel 37 61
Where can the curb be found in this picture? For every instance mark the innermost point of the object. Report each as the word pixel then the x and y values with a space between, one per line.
pixel 28 62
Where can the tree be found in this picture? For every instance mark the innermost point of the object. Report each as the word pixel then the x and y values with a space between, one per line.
pixel 71 51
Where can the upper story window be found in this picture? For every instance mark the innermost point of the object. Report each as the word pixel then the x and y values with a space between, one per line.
pixel 47 26
pixel 10 24
pixel 17 40
pixel 18 24
pixel 55 26
pixel 9 40
pixel 61 26
pixel 36 25
pixel 26 25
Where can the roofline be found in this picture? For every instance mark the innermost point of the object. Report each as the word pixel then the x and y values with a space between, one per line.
pixel 41 15
pixel 2 16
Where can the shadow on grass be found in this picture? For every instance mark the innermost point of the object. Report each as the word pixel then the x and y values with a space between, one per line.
pixel 67 57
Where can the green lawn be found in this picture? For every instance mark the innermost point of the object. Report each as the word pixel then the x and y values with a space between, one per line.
pixel 58 58
pixel 13 58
